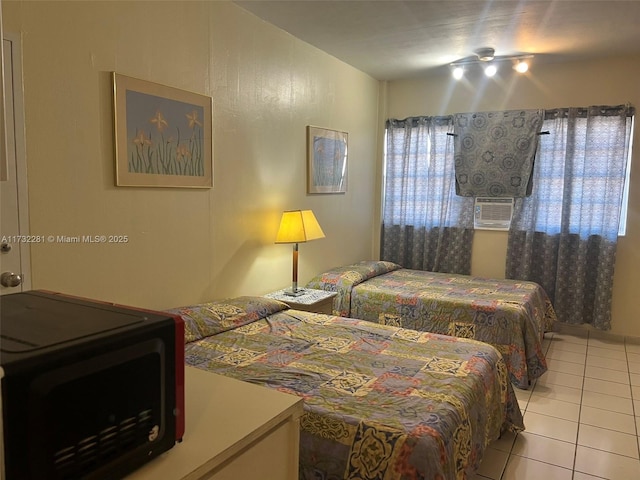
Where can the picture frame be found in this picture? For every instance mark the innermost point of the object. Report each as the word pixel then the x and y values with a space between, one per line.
pixel 327 160
pixel 163 135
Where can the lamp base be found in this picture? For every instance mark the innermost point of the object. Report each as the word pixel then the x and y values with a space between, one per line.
pixel 294 293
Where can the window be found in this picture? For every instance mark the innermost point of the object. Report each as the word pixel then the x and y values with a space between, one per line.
pixel 581 173
pixel 580 183
pixel 419 178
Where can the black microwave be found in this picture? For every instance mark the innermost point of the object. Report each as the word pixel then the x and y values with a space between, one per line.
pixel 90 390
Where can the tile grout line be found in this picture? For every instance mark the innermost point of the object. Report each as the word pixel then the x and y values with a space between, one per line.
pixel 584 372
pixel 633 405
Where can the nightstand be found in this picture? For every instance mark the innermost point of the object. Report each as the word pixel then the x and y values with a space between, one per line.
pixel 318 301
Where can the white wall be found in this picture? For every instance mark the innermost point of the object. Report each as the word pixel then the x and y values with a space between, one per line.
pixel 186 245
pixel 609 81
pixel 193 245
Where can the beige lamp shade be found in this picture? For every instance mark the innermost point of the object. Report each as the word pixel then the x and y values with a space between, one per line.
pixel 298 226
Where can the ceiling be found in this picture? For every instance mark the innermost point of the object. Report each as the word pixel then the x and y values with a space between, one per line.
pixel 400 39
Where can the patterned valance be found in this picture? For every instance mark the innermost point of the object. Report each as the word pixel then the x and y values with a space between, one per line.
pixel 494 152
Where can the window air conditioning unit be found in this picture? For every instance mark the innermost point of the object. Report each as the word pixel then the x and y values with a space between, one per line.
pixel 492 213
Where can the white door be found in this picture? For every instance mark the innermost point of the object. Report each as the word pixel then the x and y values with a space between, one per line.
pixel 15 242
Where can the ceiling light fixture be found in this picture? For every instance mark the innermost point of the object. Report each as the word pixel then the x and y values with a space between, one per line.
pixel 482 57
pixel 485 54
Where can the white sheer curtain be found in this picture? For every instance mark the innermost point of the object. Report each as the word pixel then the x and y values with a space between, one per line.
pixel 564 236
pixel 426 226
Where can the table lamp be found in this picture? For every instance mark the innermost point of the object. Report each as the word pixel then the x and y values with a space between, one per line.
pixel 297 226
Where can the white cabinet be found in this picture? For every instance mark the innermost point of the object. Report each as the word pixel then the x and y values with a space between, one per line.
pixel 234 430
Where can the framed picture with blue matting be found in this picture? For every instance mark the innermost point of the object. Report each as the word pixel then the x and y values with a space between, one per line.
pixel 163 135
pixel 327 155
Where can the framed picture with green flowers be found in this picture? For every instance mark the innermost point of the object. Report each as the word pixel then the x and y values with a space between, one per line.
pixel 163 135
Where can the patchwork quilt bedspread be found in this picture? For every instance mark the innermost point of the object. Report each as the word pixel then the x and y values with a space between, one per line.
pixel 511 315
pixel 380 402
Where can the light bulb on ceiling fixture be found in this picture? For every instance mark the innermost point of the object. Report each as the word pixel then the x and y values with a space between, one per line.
pixel 458 72
pixel 490 70
pixel 521 66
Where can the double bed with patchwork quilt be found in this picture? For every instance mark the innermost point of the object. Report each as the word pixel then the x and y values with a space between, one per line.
pixel 380 402
pixel 511 315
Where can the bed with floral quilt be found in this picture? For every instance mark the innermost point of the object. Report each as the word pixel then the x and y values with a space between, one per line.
pixel 511 315
pixel 380 402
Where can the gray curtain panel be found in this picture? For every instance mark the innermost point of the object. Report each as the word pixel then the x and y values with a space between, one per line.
pixel 426 226
pixel 444 250
pixel 564 236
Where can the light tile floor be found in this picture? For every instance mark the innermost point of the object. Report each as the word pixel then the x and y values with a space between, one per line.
pixel 582 417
